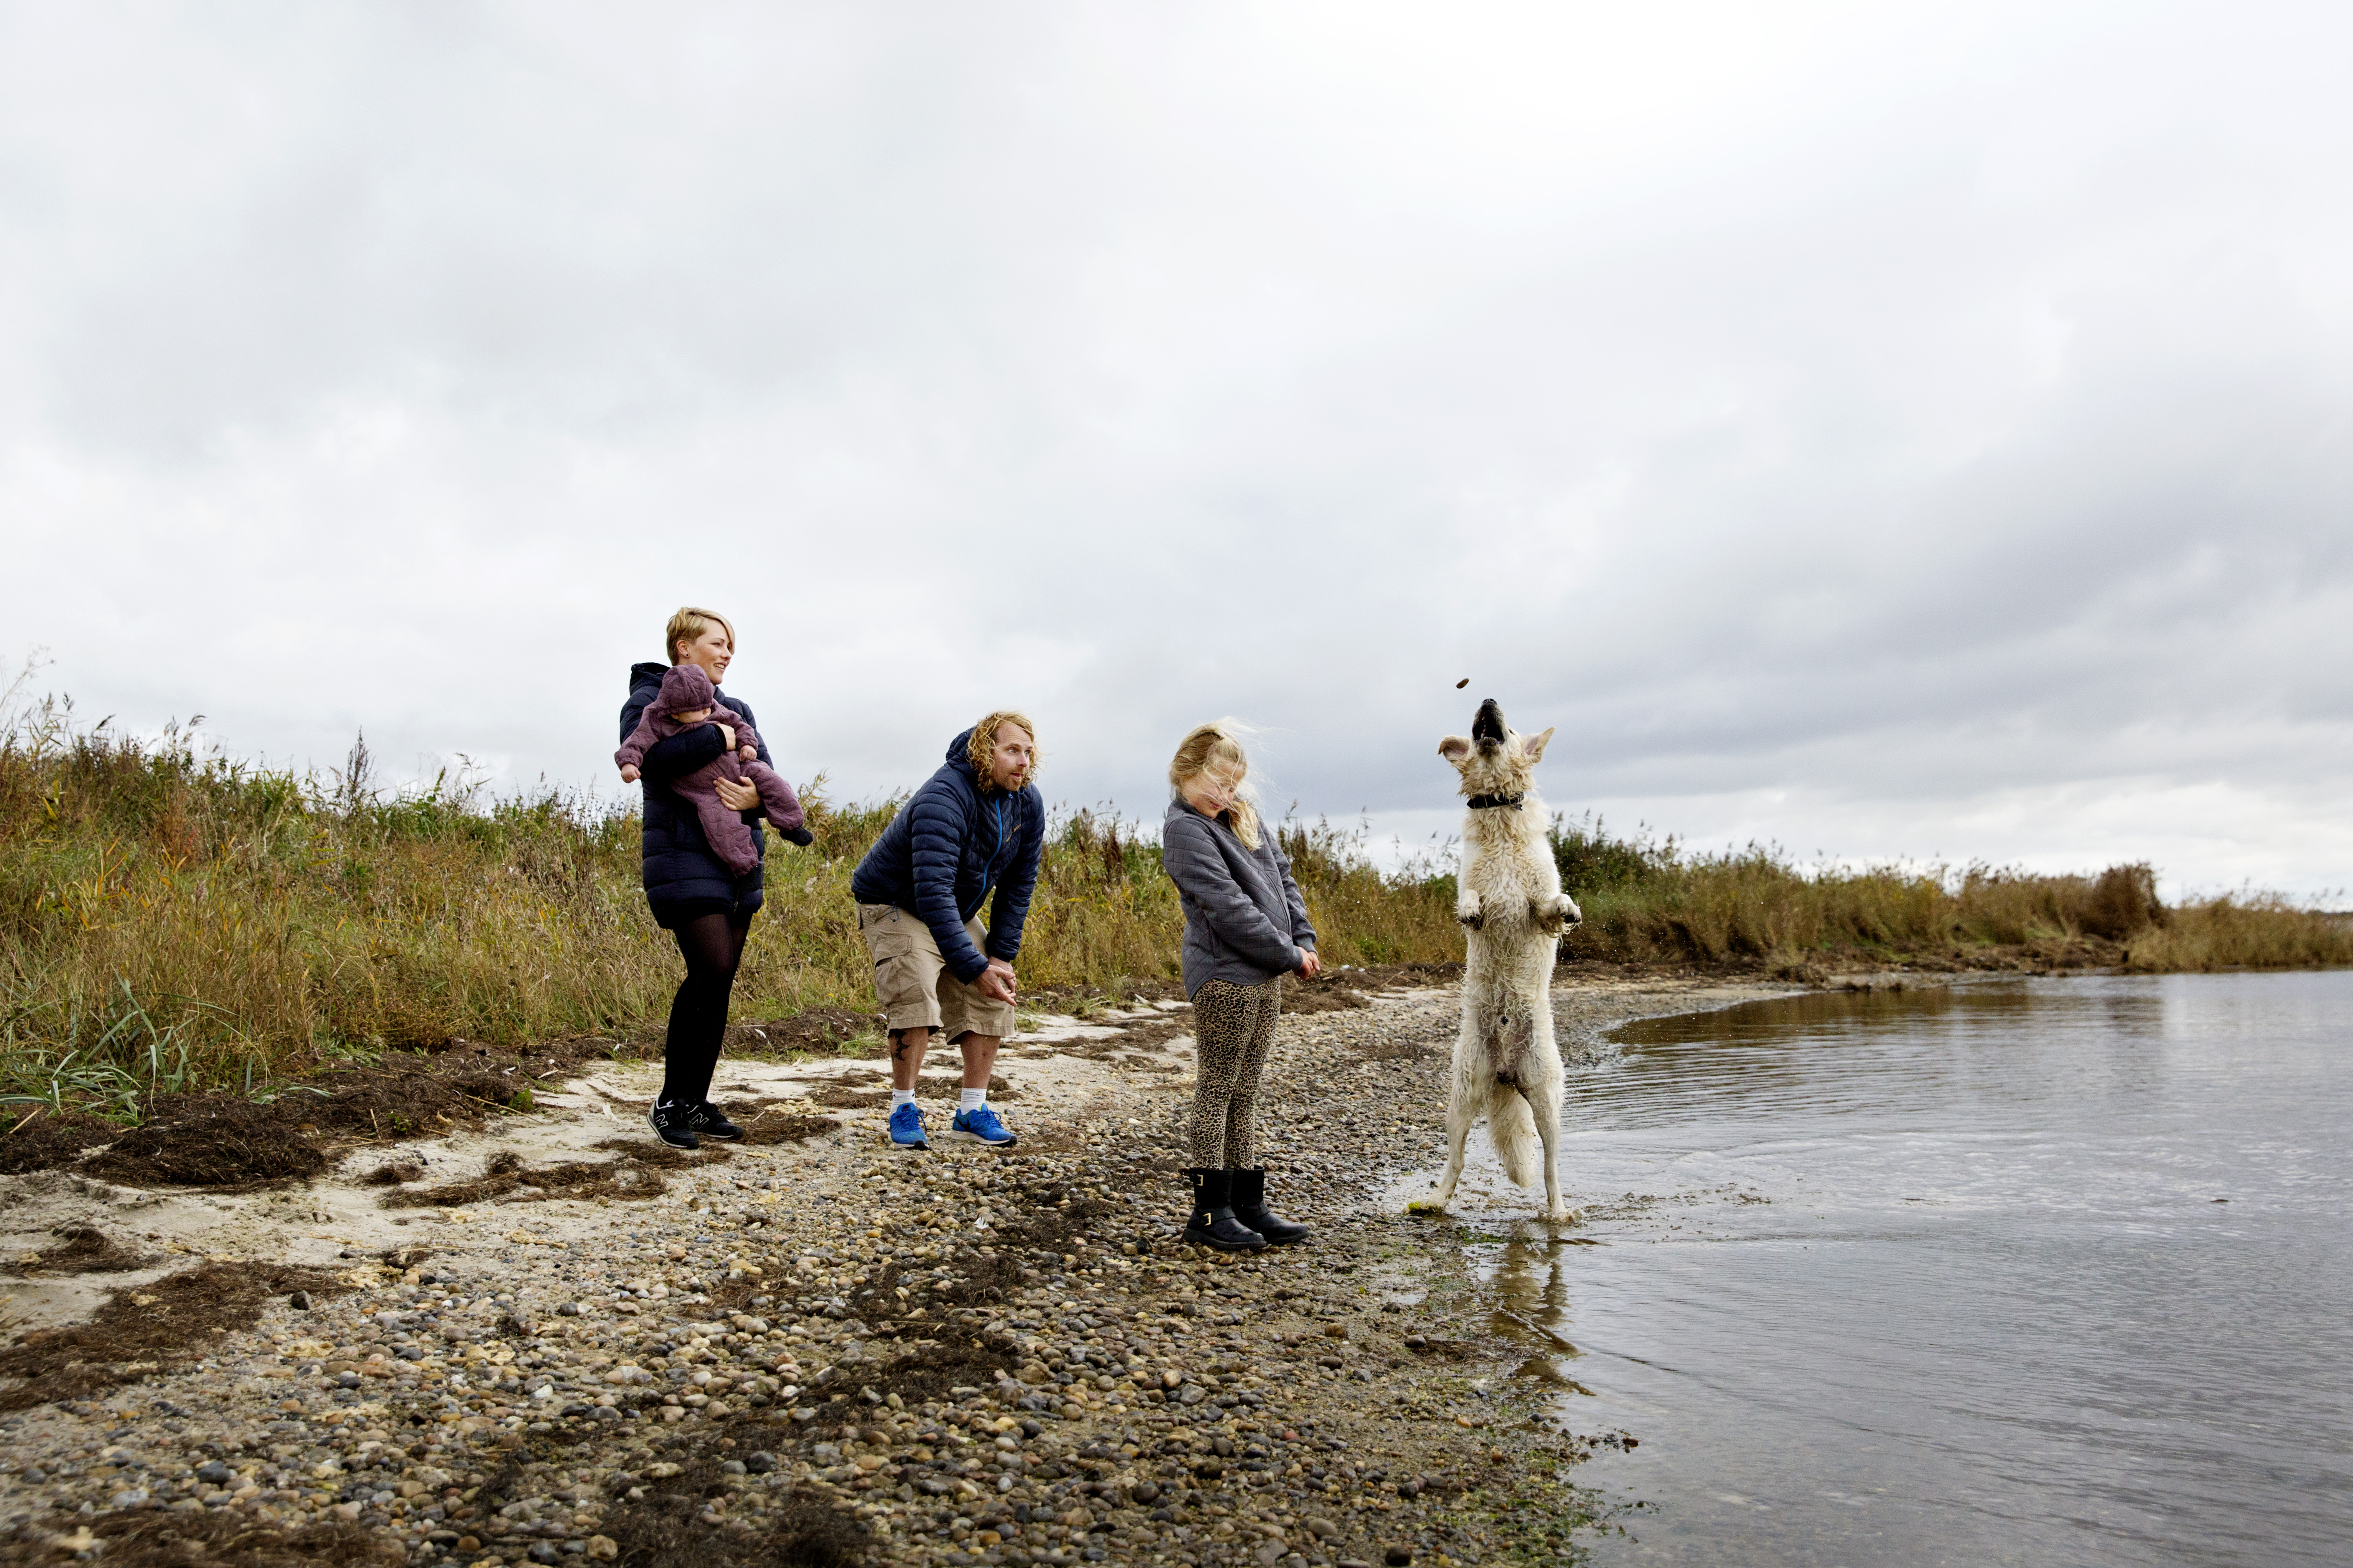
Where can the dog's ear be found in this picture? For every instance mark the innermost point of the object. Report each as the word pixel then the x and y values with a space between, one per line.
pixel 1533 745
pixel 1454 748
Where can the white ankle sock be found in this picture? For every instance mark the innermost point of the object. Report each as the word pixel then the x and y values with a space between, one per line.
pixel 971 1099
pixel 900 1096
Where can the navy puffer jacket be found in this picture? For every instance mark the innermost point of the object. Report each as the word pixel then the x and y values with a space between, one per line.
pixel 683 877
pixel 948 851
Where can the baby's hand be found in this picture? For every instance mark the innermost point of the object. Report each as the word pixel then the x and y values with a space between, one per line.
pixel 628 773
pixel 751 754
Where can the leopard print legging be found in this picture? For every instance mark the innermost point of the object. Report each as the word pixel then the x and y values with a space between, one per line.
pixel 1234 1025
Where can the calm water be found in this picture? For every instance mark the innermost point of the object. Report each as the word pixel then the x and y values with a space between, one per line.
pixel 1947 1277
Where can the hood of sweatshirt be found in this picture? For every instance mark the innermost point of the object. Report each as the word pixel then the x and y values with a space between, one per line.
pixel 646 677
pixel 960 759
pixel 685 688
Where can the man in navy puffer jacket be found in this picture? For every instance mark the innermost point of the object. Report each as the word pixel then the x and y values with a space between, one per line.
pixel 971 836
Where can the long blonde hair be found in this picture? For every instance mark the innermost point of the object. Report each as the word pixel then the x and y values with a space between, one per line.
pixel 1216 745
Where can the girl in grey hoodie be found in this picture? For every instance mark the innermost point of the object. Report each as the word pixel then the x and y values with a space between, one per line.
pixel 1245 928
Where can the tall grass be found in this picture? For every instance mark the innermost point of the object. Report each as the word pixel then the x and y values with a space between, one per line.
pixel 1650 901
pixel 173 918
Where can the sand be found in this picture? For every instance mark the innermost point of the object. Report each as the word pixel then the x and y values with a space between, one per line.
pixel 817 1349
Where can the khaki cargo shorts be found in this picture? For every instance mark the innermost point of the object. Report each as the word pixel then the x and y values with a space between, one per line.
pixel 915 984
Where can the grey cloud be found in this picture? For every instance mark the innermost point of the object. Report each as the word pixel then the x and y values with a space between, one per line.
pixel 1886 423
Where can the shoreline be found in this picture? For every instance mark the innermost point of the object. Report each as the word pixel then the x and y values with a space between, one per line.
pixel 817 1344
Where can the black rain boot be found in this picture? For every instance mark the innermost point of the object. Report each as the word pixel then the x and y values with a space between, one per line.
pixel 1250 1208
pixel 1213 1223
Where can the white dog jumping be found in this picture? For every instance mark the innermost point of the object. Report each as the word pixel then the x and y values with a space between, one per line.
pixel 1506 1066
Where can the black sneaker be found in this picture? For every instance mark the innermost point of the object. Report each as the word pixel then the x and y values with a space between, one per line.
pixel 711 1123
pixel 674 1125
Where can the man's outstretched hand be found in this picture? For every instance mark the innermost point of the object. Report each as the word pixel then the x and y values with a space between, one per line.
pixel 996 981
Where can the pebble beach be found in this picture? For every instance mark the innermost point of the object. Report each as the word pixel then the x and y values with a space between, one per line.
pixel 548 1338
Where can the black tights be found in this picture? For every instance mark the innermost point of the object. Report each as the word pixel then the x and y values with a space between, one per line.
pixel 712 945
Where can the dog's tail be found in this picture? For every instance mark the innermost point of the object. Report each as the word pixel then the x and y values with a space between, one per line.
pixel 1513 1128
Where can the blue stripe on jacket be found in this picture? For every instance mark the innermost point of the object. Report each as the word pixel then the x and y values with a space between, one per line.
pixel 952 850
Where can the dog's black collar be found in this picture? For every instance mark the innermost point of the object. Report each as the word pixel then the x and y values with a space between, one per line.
pixel 1484 802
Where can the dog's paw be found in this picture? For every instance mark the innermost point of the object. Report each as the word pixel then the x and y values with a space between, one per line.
pixel 1557 914
pixel 1565 1216
pixel 1467 912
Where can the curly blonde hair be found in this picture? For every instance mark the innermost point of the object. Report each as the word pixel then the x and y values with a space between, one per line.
pixel 984 742
pixel 1214 745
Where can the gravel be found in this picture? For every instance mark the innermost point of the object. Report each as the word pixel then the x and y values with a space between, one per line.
pixel 965 1356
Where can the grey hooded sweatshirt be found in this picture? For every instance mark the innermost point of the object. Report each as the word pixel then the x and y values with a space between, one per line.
pixel 1244 920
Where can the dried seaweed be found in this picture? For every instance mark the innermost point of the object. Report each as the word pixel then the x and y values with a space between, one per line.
pixel 209 1140
pixel 87 1251
pixel 629 1178
pixel 147 1328
pixel 666 1528
pixel 221 1539
pixel 45 1141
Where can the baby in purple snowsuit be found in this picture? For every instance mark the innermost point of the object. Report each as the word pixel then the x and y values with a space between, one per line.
pixel 687 699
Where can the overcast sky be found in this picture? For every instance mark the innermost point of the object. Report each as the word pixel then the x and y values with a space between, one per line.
pixel 1893 431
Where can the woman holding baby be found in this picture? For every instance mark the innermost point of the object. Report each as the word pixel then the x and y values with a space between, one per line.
pixel 708 782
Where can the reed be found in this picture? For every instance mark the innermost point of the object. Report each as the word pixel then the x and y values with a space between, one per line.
pixel 1653 901
pixel 171 917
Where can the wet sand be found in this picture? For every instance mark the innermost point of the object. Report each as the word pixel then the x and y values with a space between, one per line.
pixel 816 1350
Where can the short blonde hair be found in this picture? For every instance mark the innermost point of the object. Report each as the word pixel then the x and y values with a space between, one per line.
pixel 983 743
pixel 1215 744
pixel 691 623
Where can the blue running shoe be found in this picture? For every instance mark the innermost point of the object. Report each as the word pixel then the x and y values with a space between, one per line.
pixel 982 1126
pixel 907 1127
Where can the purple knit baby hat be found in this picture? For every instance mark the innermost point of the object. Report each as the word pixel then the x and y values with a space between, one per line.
pixel 685 688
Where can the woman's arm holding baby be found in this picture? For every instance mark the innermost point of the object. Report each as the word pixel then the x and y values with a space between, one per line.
pixel 634 747
pixel 669 757
pixel 683 753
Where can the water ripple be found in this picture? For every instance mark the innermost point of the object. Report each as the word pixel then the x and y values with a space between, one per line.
pixel 2025 1271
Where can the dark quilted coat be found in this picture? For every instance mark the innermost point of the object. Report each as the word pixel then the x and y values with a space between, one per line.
pixel 948 851
pixel 683 877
